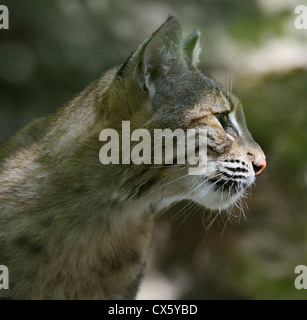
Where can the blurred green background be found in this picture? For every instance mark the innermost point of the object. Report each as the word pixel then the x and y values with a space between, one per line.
pixel 53 49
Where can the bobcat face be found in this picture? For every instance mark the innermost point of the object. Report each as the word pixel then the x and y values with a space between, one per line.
pixel 234 158
pixel 170 92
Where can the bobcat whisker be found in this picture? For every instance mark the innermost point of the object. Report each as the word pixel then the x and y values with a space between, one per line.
pixel 187 213
pixel 216 214
pixel 168 183
pixel 185 197
pixel 169 166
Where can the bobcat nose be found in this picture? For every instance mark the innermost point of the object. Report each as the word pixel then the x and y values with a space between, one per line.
pixel 259 166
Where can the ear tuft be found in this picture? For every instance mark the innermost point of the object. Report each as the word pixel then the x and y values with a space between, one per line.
pixel 192 49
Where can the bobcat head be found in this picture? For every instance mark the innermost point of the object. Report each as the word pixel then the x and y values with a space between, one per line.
pixel 160 86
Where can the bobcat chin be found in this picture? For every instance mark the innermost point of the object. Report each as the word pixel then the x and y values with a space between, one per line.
pixel 72 228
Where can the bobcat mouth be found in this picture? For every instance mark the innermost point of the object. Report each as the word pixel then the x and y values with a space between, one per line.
pixel 229 184
pixel 233 177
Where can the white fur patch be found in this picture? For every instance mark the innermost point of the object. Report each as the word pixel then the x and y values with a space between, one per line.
pixel 232 118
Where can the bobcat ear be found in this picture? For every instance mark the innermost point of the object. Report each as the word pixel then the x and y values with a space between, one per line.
pixel 163 53
pixel 192 49
pixel 157 58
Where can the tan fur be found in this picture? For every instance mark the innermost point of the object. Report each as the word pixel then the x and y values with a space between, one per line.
pixel 72 228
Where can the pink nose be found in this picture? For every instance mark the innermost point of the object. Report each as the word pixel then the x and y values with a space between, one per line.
pixel 259 167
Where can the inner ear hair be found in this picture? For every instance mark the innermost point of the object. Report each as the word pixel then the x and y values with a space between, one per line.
pixel 192 48
pixel 164 50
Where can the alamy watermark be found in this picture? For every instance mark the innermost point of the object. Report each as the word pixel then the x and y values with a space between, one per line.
pixel 4 277
pixel 300 281
pixel 300 21
pixel 191 147
pixel 4 17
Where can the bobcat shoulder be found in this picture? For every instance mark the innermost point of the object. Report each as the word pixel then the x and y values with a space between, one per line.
pixel 72 228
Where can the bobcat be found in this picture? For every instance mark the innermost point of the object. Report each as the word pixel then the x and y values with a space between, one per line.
pixel 72 228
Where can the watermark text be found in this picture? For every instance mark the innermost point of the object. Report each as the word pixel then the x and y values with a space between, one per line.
pixel 300 21
pixel 4 17
pixel 300 281
pixel 4 277
pixel 138 147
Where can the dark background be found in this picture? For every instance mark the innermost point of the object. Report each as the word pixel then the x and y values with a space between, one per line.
pixel 53 49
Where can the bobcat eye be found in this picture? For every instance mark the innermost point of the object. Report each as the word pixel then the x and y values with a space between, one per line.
pixel 223 119
pixel 226 124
